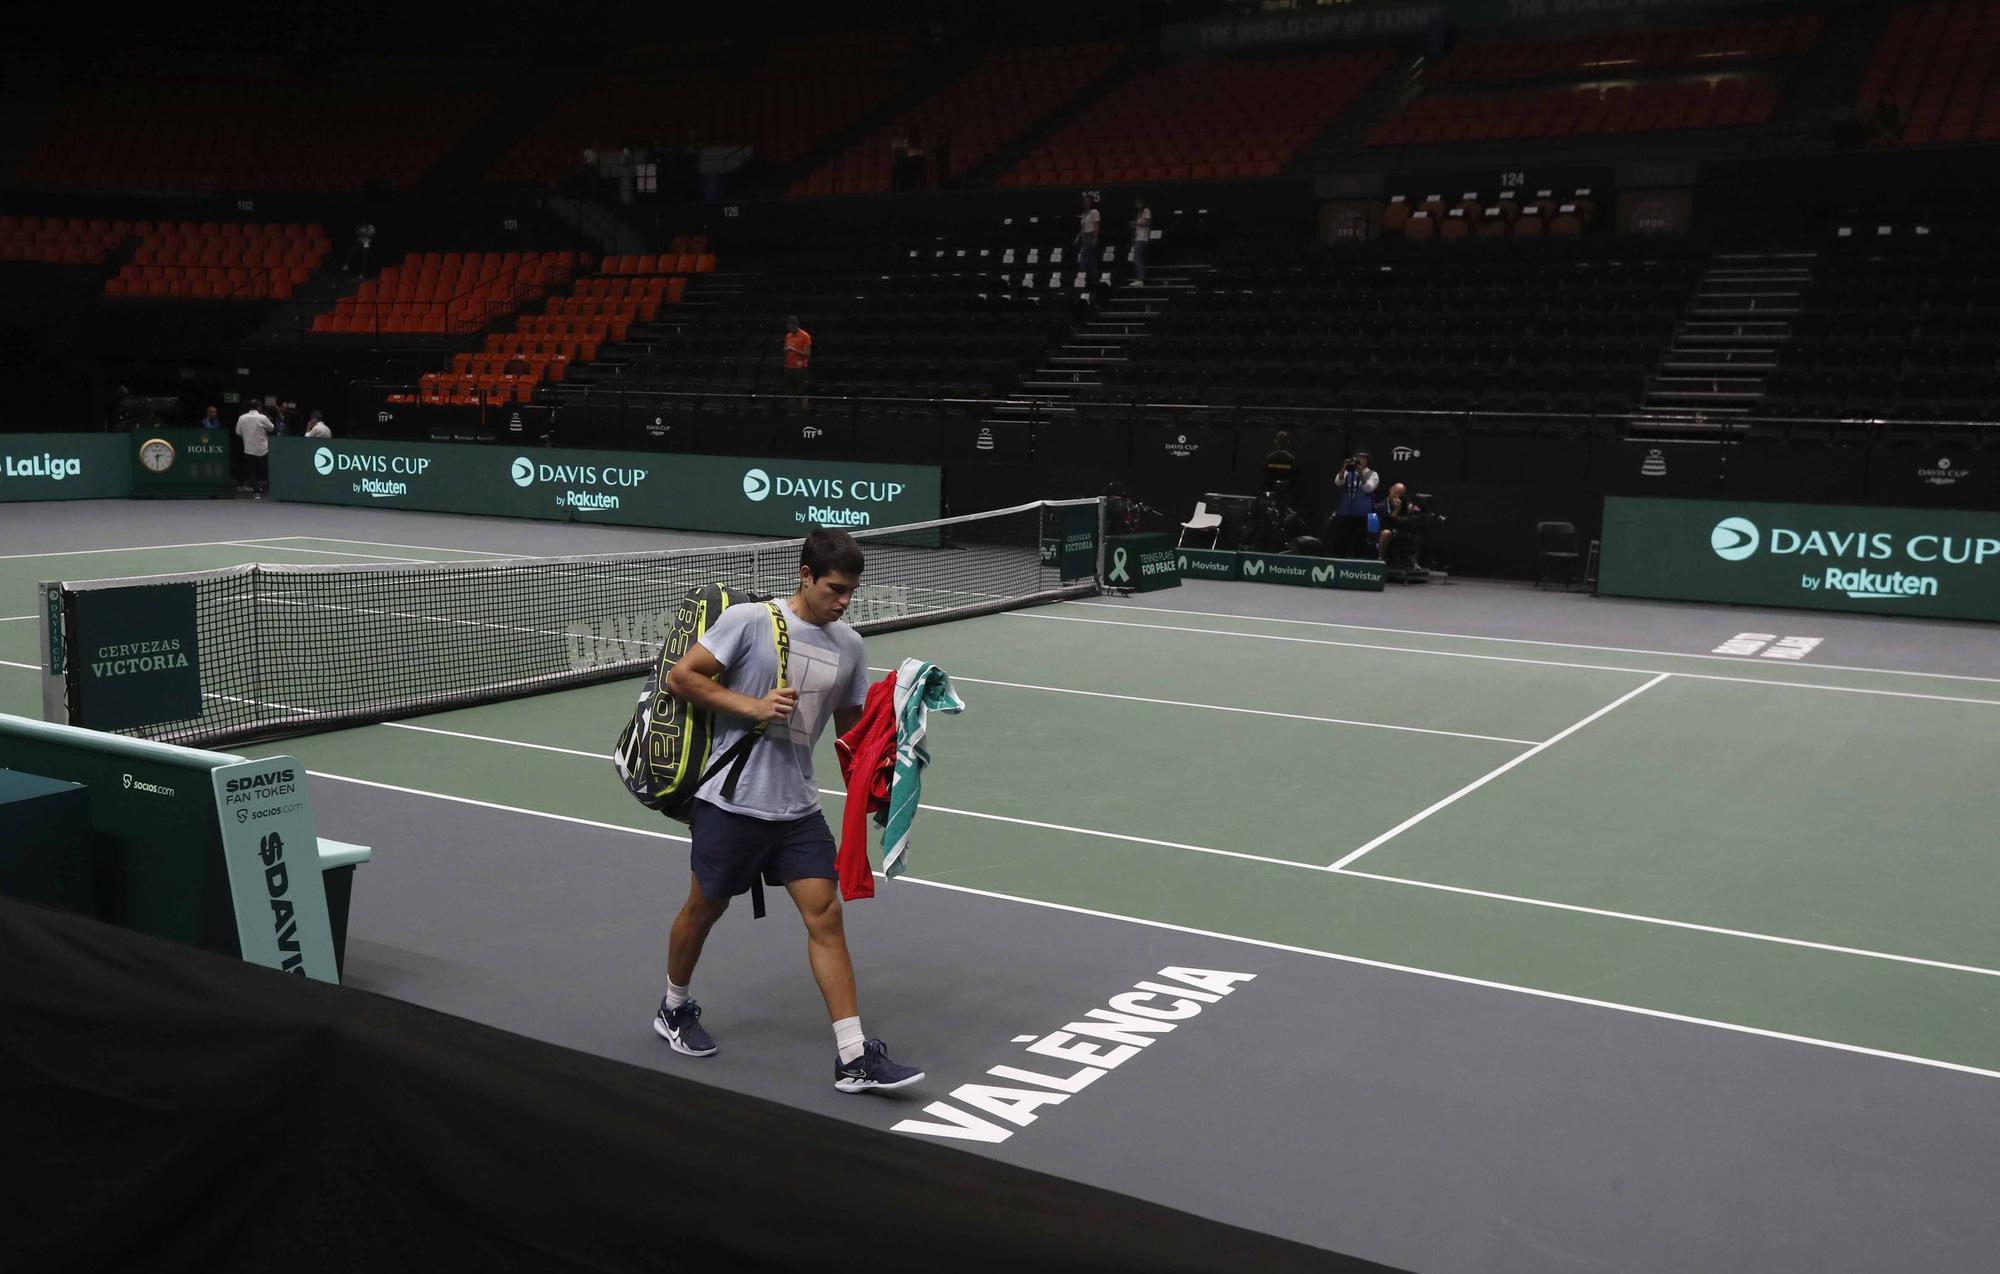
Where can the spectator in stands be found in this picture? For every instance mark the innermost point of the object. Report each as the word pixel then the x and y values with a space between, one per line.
pixel 1355 500
pixel 1086 238
pixel 798 356
pixel 212 420
pixel 316 427
pixel 255 429
pixel 1281 468
pixel 1142 236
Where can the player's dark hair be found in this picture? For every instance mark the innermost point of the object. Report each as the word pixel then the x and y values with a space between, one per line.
pixel 829 550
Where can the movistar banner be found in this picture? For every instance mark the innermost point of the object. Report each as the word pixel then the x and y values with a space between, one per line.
pixel 65 467
pixel 1207 564
pixel 1937 562
pixel 1310 572
pixel 1141 563
pixel 703 493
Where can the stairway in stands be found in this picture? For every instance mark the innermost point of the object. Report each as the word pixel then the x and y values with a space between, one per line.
pixel 1104 340
pixel 1727 342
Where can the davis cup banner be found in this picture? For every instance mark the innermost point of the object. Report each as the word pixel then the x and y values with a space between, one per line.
pixel 1940 563
pixel 781 498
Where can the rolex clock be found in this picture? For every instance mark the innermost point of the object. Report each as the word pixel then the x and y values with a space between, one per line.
pixel 157 454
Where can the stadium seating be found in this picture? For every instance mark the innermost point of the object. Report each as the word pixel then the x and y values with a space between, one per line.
pixel 186 123
pixel 1199 120
pixel 1895 327
pixel 1498 325
pixel 801 94
pixel 225 261
pixel 1711 46
pixel 978 113
pixel 60 240
pixel 1937 70
pixel 443 292
pixel 1641 107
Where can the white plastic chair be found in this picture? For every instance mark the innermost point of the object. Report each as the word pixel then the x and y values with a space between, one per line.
pixel 1202 520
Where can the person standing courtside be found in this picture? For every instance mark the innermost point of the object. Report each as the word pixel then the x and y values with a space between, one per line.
pixel 255 429
pixel 798 360
pixel 1354 490
pixel 770 822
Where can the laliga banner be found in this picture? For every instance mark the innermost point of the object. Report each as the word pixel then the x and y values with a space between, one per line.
pixel 782 498
pixel 1936 562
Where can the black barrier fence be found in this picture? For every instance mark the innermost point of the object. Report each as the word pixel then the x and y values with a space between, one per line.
pixel 1492 475
pixel 249 1120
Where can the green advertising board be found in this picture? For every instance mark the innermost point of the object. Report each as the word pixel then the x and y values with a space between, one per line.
pixel 181 462
pixel 138 660
pixel 1207 564
pixel 197 847
pixel 1942 563
pixel 1365 574
pixel 1141 563
pixel 704 493
pixel 65 467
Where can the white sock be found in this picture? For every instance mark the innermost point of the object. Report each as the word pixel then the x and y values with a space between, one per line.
pixel 848 1039
pixel 676 995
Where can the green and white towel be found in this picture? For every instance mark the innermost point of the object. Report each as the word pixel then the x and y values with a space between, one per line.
pixel 921 687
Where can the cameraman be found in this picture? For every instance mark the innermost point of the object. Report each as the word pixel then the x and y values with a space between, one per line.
pixel 1354 492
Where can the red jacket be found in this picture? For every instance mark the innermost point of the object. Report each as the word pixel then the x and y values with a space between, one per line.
pixel 867 763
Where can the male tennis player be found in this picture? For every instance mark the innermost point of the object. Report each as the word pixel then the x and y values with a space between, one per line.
pixel 773 824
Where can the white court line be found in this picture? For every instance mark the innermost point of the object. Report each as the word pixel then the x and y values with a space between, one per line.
pixel 1302 866
pixel 133 548
pixel 8 663
pixel 1677 924
pixel 935 809
pixel 385 544
pixel 288 548
pixel 1494 773
pixel 1361 961
pixel 1503 659
pixel 10 619
pixel 1528 641
pixel 1221 707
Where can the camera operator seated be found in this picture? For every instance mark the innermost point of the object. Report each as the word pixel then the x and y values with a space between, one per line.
pixel 1403 522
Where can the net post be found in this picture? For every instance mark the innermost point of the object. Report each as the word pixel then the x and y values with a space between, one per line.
pixel 56 653
pixel 1102 504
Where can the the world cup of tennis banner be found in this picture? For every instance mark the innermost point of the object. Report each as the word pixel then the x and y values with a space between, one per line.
pixel 1941 563
pixel 758 496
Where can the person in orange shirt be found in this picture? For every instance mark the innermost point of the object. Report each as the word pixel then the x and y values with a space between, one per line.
pixel 798 355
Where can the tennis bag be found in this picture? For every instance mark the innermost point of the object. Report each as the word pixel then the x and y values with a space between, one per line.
pixel 663 752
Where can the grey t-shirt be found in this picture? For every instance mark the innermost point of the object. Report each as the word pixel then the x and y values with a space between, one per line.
pixel 828 670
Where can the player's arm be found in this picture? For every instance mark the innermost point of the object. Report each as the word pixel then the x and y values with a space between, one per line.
pixel 692 679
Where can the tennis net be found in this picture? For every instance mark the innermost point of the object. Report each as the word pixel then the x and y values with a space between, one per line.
pixel 295 649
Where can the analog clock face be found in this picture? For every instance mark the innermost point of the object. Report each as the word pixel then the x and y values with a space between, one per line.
pixel 157 454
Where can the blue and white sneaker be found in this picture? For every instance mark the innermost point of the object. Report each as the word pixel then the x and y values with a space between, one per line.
pixel 682 1028
pixel 873 1071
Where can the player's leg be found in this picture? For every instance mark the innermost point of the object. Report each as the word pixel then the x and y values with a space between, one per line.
pixel 684 943
pixel 818 901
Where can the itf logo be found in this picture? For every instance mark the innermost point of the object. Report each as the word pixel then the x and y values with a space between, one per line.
pixel 756 484
pixel 1733 539
pixel 323 461
pixel 524 472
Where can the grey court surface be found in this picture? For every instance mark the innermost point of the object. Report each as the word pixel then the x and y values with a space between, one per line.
pixel 1426 1114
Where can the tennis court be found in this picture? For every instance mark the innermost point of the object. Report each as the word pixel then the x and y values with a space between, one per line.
pixel 1525 932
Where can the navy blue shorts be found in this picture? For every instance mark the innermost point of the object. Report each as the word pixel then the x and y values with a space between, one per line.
pixel 730 849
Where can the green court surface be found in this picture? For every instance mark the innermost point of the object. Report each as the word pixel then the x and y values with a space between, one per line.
pixel 1792 850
